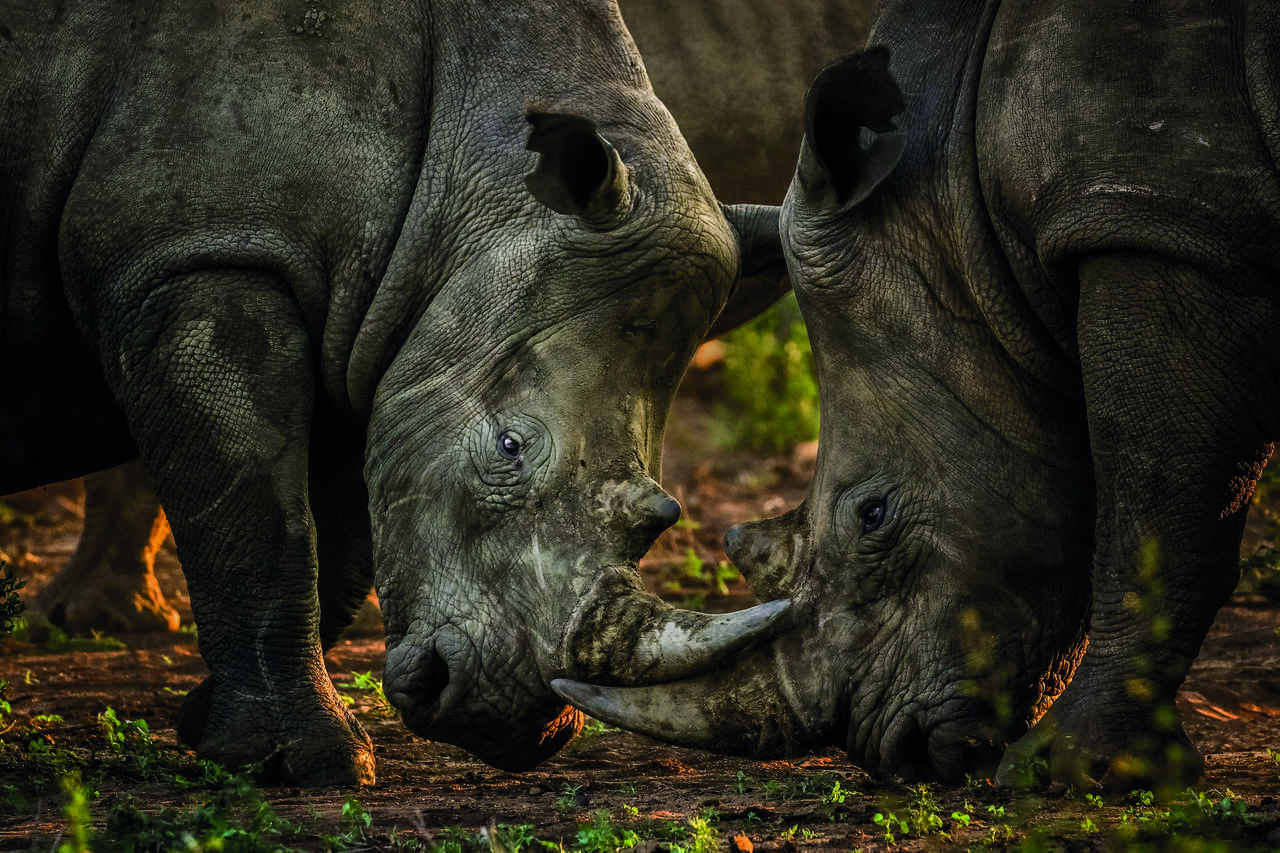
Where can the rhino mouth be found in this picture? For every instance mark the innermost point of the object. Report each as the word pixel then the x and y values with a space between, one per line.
pixel 448 690
pixel 435 685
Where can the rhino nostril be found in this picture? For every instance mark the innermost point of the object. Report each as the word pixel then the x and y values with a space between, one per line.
pixel 423 686
pixel 435 677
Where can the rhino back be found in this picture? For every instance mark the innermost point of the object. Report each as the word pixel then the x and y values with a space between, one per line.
pixel 734 73
pixel 1169 148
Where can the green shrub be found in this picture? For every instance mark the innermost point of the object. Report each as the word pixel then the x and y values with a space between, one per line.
pixel 771 393
pixel 11 607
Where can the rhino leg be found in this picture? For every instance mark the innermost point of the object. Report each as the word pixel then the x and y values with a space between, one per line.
pixel 217 378
pixel 1179 413
pixel 110 584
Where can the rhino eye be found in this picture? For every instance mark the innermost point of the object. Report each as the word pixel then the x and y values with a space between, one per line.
pixel 509 446
pixel 871 514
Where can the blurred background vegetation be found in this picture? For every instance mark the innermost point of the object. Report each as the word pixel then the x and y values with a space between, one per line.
pixel 770 395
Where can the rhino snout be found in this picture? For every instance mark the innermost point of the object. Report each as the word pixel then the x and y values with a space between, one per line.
pixel 769 552
pixel 642 510
pixel 656 514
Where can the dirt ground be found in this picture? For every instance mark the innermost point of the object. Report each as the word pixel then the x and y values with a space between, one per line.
pixel 1230 705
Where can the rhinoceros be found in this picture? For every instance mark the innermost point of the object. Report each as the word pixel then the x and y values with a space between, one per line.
pixel 395 295
pixel 1038 254
pixel 745 146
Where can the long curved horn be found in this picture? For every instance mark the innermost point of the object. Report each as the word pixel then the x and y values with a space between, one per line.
pixel 632 637
pixel 688 642
pixel 742 710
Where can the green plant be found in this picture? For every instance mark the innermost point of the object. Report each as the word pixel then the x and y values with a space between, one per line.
pixel 1260 571
pixel 771 787
pixel 77 810
pixel 39 763
pixel 832 800
pixel 602 835
pixel 923 810
pixel 370 685
pixel 11 605
pixel 703 834
pixel 698 573
pixel 891 823
pixel 354 832
pixel 662 830
pixel 51 638
pixel 596 727
pixel 1030 774
pixel 771 393
pixel 568 800
pixel 118 733
pixel 236 818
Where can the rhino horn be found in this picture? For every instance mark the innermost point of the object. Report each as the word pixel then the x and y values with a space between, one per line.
pixel 686 642
pixel 632 637
pixel 741 710
pixel 617 632
pixel 770 552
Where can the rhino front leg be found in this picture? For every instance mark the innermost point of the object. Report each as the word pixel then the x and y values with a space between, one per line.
pixel 217 378
pixel 110 583
pixel 1179 414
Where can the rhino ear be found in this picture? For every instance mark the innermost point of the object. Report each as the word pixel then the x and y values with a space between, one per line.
pixel 762 279
pixel 851 141
pixel 579 173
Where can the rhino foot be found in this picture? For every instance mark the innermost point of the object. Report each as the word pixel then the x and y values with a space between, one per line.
pixel 1139 746
pixel 81 602
pixel 309 741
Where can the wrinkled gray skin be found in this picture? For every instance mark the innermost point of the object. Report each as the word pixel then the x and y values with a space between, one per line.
pixel 398 295
pixel 1042 285
pixel 745 145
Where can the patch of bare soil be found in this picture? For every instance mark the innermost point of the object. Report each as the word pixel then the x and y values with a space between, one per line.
pixel 1230 705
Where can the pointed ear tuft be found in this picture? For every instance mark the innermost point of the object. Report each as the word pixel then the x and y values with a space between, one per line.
pixel 851 139
pixel 579 173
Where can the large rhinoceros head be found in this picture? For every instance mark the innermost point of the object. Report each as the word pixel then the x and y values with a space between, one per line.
pixel 516 431
pixel 938 567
